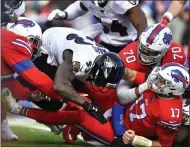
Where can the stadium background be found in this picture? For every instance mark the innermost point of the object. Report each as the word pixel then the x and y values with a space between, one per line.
pixel 33 134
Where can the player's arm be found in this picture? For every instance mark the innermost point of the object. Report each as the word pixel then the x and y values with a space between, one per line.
pixel 173 11
pixel 62 84
pixel 71 12
pixel 129 137
pixel 125 93
pixel 140 24
pixel 23 65
pixel 63 78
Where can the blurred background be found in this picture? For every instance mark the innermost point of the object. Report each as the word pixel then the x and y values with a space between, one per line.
pixel 39 10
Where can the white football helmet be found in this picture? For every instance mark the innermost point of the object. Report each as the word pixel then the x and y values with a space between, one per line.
pixel 30 29
pixel 172 79
pixel 186 112
pixel 154 43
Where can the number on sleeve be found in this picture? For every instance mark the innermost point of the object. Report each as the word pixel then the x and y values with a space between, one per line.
pixel 176 50
pixel 130 58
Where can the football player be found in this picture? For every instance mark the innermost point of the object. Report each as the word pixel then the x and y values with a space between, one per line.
pixel 85 62
pixel 139 118
pixel 92 68
pixel 118 18
pixel 154 48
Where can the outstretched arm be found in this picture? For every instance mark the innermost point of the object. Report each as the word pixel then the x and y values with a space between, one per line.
pixel 140 24
pixel 173 11
pixel 71 12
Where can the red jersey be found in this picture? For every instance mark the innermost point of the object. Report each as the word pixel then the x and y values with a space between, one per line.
pixel 153 116
pixel 129 56
pixel 16 57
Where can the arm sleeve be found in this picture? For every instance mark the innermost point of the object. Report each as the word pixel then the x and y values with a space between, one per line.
pixel 140 78
pixel 22 64
pixel 75 10
pixel 125 94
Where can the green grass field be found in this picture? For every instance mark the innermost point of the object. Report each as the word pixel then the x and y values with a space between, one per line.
pixel 30 137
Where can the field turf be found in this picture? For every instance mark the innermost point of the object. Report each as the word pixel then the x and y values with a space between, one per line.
pixel 31 137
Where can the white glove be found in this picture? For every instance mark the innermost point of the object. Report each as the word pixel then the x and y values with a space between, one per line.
pixel 152 77
pixel 57 14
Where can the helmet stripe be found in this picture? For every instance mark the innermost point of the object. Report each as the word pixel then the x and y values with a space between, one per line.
pixel 154 33
pixel 181 78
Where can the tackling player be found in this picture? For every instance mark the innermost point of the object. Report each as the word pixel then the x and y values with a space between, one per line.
pixel 139 118
pixel 118 18
pixel 95 68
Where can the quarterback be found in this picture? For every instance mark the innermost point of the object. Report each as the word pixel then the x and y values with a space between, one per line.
pixel 139 118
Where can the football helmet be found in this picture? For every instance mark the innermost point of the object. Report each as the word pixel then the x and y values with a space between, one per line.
pixel 30 29
pixel 107 71
pixel 186 112
pixel 171 80
pixel 154 43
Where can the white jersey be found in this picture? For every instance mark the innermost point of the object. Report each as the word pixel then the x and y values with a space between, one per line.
pixel 56 40
pixel 118 30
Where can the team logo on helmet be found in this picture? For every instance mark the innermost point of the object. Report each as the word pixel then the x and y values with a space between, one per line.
pixel 179 77
pixel 107 66
pixel 167 38
pixel 24 22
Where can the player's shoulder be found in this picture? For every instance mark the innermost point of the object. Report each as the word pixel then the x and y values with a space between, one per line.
pixel 11 36
pixel 122 7
pixel 170 113
pixel 175 53
pixel 132 46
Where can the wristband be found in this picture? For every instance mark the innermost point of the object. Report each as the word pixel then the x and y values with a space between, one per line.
pixel 141 141
pixel 169 16
pixel 143 87
pixel 86 105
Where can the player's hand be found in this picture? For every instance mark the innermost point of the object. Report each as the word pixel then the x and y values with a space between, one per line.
pixel 94 111
pixel 13 18
pixel 152 77
pixel 128 136
pixel 57 14
pixel 164 21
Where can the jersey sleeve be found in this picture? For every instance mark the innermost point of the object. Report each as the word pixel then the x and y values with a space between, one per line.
pixel 176 53
pixel 165 136
pixel 22 64
pixel 122 7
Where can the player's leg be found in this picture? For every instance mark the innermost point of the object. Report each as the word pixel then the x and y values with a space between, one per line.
pixel 6 132
pixel 79 117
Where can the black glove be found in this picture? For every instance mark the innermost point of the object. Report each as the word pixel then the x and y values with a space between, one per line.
pixel 94 111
